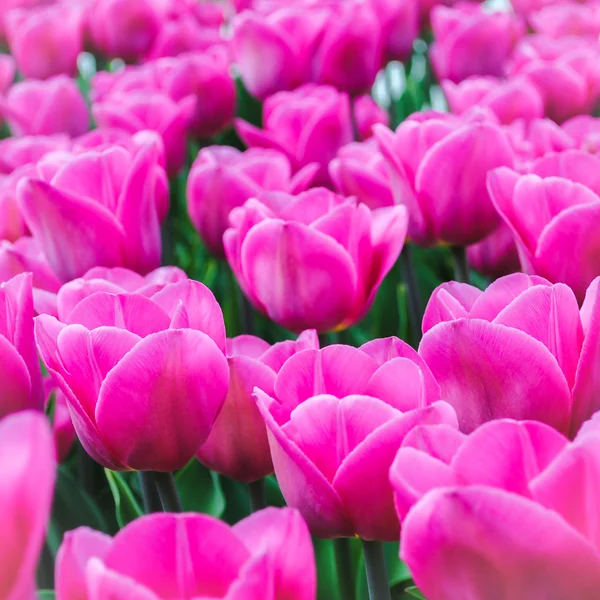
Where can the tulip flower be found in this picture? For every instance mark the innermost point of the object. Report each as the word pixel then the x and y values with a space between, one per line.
pixel 368 113
pixel 438 165
pixel 25 256
pixel 267 556
pixel 8 69
pixel 524 326
pixel 309 125
pixel 567 19
pixel 337 44
pixel 237 445
pixel 123 28
pixel 566 72
pixel 521 530
pixel 21 151
pixel 138 111
pixel 326 254
pixel 152 381
pixel 400 26
pixel 553 208
pixel 27 471
pixel 98 208
pixel 496 255
pixel 12 226
pixel 470 41
pixel 509 100
pixel 359 170
pixel 45 41
pixel 19 365
pixel 585 131
pixel 335 423
pixel 115 281
pixel 223 178
pixel 45 108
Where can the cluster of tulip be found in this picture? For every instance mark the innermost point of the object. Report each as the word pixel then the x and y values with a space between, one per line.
pixel 202 204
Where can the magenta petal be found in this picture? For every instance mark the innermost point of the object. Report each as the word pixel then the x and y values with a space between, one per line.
pixel 254 137
pixel 202 310
pixel 136 313
pixel 178 556
pixel 156 407
pixel 76 233
pixel 106 583
pixel 488 371
pixel 16 383
pixel 449 301
pixel 75 291
pixel 474 542
pixel 77 548
pixel 362 481
pixel 303 486
pixel 304 278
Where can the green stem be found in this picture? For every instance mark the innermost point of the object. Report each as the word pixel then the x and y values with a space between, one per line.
pixel 415 310
pixel 167 490
pixel 461 269
pixel 344 568
pixel 377 579
pixel 256 491
pixel 150 495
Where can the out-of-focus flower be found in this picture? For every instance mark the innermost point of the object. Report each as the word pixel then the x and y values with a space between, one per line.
pixel 510 99
pixel 45 108
pixel 145 393
pixel 62 426
pixel 585 131
pixel 237 445
pixel 438 165
pixel 47 40
pixel 368 113
pixel 554 215
pixel 470 41
pixel 267 556
pixel 315 260
pixel 520 350
pixel 98 208
pixel 309 125
pixel 18 152
pixel 496 255
pixel 335 422
pixel 8 69
pixel 223 178
pixel 12 226
pixel 400 26
pixel 568 18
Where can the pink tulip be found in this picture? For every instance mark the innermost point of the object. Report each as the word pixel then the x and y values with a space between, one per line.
pixel 154 111
pixel 470 41
pixel 566 19
pixel 12 226
pixel 45 108
pixel 519 350
pixel 438 165
pixel 237 445
pixel 585 131
pixel 368 113
pixel 223 178
pixel 25 256
pixel 496 255
pixel 8 69
pixel 267 556
pixel 335 423
pixel 552 212
pixel 115 281
pixel 519 529
pixel 359 170
pixel 566 72
pixel 123 28
pixel 400 26
pixel 334 43
pixel 326 254
pixel 17 152
pixel 45 41
pixel 144 377
pixel 9 5
pixel 515 98
pixel 109 201
pixel 309 125
pixel 62 426
pixel 27 471
pixel 20 368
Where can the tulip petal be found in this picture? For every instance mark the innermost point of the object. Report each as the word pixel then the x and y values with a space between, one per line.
pixel 480 542
pixel 16 382
pixel 157 405
pixel 450 301
pixel 254 137
pixel 362 481
pixel 303 486
pixel 303 278
pixel 488 371
pixel 105 583
pixel 76 233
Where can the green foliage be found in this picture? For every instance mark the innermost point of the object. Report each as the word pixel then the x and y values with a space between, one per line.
pixel 127 508
pixel 200 490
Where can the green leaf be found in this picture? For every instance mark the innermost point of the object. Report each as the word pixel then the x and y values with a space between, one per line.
pixel 273 493
pixel 413 592
pixel 127 508
pixel 45 595
pixel 398 573
pixel 200 490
